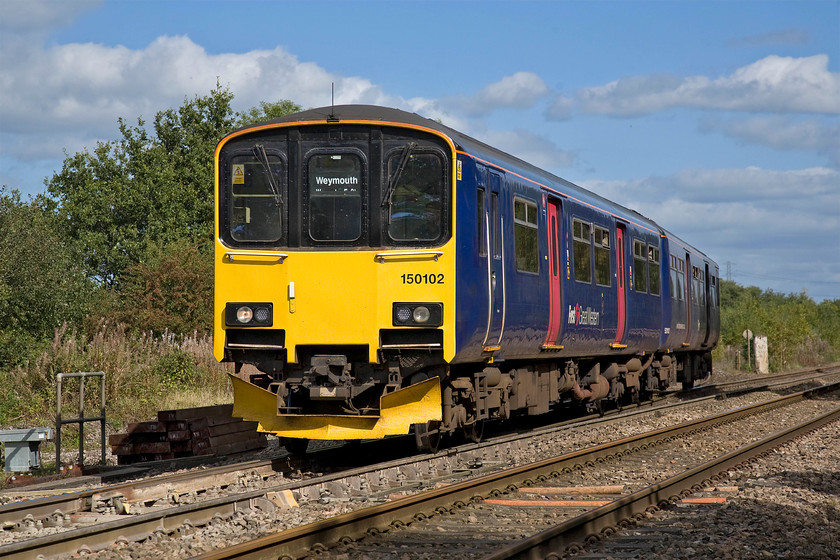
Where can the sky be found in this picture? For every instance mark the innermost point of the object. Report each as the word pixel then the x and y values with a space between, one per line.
pixel 718 120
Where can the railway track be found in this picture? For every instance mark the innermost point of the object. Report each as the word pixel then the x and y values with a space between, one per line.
pixel 769 381
pixel 165 519
pixel 426 516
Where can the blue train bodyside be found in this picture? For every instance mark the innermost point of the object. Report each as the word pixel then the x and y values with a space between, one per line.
pixel 505 314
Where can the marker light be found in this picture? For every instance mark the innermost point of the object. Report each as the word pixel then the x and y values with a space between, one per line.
pixel 403 314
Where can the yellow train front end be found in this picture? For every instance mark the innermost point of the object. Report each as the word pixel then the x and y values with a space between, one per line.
pixel 335 273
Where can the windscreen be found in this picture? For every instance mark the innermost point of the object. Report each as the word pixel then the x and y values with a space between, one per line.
pixel 416 196
pixel 335 197
pixel 257 182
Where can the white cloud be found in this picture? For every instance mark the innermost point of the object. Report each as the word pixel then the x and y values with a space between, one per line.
pixel 73 94
pixel 783 133
pixel 37 16
pixel 517 91
pixel 772 84
pixel 816 190
pixel 560 109
pixel 89 85
pixel 536 150
pixel 769 222
pixel 520 90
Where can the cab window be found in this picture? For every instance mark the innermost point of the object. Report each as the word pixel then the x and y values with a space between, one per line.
pixel 416 185
pixel 334 183
pixel 257 183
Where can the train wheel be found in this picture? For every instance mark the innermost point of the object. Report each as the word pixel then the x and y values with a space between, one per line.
pixel 428 436
pixel 475 431
pixel 295 446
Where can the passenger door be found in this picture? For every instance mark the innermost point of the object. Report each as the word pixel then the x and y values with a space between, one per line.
pixel 621 283
pixel 555 265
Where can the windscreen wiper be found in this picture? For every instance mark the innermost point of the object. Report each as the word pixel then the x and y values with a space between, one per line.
pixel 386 200
pixel 262 157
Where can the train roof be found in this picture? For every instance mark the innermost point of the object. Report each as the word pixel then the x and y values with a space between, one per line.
pixel 473 147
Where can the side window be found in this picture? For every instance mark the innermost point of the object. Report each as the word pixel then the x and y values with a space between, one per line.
pixel 698 286
pixel 581 234
pixel 335 197
pixel 603 272
pixel 257 183
pixel 640 266
pixel 677 270
pixel 416 202
pixel 694 285
pixel 525 235
pixel 482 225
pixel 672 268
pixel 713 291
pixel 653 269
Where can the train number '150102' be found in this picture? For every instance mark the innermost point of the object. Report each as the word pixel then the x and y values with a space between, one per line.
pixel 422 278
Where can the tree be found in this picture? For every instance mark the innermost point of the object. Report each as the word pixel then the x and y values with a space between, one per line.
pixel 170 292
pixel 145 190
pixel 42 285
pixel 267 111
pixel 130 197
pixel 141 209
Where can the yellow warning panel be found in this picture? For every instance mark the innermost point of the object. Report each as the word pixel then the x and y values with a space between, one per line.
pixel 238 174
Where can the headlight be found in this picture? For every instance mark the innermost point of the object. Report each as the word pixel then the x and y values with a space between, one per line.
pixel 247 314
pixel 421 314
pixel 244 314
pixel 418 314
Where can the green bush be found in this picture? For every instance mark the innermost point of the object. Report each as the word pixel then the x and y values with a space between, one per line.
pixel 171 291
pixel 176 370
pixel 799 331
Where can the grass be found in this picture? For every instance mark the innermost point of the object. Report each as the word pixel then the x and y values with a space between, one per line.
pixel 144 373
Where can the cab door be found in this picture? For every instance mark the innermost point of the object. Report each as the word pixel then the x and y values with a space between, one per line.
pixel 494 249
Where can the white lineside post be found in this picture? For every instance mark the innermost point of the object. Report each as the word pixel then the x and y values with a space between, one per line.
pixel 762 362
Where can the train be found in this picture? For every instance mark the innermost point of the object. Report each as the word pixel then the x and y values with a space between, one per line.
pixel 378 273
